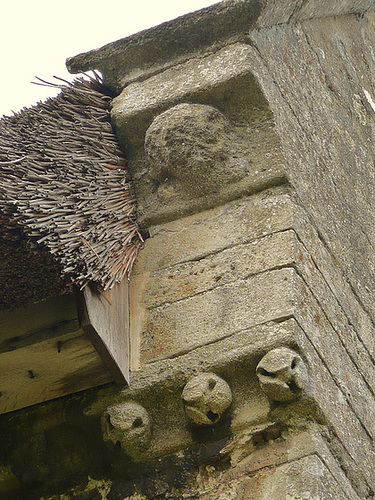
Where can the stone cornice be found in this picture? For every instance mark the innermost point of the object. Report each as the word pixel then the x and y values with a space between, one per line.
pixel 153 50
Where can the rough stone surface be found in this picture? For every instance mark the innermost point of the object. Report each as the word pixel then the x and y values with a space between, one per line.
pixel 284 248
pixel 335 295
pixel 277 12
pixel 354 446
pixel 197 80
pixel 282 374
pixel 307 477
pixel 194 151
pixel 179 327
pixel 128 425
pixel 343 371
pixel 246 153
pixel 327 131
pixel 202 234
pixel 186 279
pixel 183 258
pixel 206 397
pixel 327 343
pixel 248 259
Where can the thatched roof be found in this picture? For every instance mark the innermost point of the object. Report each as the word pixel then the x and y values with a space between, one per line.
pixel 64 188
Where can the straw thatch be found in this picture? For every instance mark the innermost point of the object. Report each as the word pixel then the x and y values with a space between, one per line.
pixel 63 182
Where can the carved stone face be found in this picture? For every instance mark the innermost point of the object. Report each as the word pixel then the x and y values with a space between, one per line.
pixel 128 425
pixel 192 148
pixel 282 374
pixel 206 398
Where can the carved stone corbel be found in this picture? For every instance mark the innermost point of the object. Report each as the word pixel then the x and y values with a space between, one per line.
pixel 127 425
pixel 206 397
pixel 282 374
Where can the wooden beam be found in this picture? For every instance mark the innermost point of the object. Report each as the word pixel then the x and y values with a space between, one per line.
pixel 38 322
pixel 104 318
pixel 63 345
pixel 46 370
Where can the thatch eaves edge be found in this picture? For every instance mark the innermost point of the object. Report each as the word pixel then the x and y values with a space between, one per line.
pixel 64 185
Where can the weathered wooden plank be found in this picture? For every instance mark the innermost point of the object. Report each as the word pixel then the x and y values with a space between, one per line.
pixel 49 369
pixel 38 322
pixel 105 319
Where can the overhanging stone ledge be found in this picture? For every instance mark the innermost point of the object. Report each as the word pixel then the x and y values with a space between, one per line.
pixel 151 51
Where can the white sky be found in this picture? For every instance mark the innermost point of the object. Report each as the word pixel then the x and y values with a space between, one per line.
pixel 36 36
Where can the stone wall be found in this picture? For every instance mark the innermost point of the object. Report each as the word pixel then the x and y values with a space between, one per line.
pixel 251 303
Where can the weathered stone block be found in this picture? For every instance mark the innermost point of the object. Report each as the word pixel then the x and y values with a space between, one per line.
pixel 197 159
pixel 240 261
pixel 340 306
pixel 252 259
pixel 179 327
pixel 133 109
pixel 308 477
pixel 208 232
pixel 263 462
pixel 330 393
pixel 328 344
pixel 319 83
pixel 163 272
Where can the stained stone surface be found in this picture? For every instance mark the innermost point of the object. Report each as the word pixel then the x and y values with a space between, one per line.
pixel 319 79
pixel 238 139
pixel 252 156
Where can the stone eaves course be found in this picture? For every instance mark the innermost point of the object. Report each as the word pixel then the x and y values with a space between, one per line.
pixel 251 152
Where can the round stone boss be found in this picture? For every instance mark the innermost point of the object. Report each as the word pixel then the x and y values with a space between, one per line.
pixel 127 424
pixel 193 145
pixel 206 397
pixel 282 374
